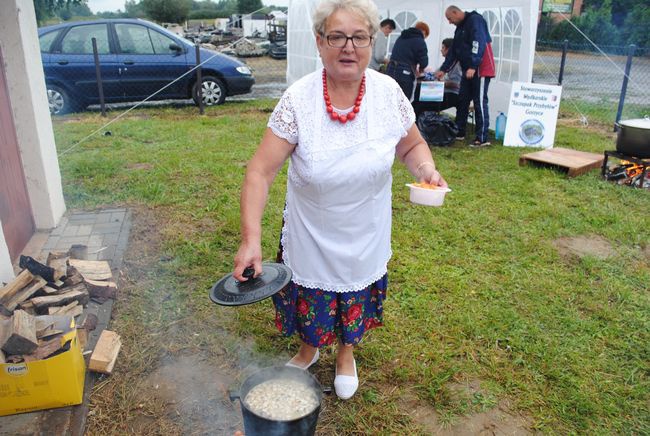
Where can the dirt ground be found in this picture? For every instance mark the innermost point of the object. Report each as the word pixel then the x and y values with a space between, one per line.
pixel 581 246
pixel 175 377
pixel 176 370
pixel 495 420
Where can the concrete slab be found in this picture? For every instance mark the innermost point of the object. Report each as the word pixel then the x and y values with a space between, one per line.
pixel 90 228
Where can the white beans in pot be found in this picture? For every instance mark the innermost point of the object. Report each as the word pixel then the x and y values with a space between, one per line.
pixel 281 399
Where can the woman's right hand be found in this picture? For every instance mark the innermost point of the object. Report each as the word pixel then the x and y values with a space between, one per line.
pixel 249 254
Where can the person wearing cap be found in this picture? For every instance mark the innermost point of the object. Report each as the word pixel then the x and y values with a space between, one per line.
pixel 409 57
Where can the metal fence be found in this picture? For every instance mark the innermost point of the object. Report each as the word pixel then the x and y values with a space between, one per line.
pixel 597 86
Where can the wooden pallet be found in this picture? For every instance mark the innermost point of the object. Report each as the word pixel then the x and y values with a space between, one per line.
pixel 573 161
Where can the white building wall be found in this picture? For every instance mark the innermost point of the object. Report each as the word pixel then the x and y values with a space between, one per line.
pixel 24 72
pixel 6 270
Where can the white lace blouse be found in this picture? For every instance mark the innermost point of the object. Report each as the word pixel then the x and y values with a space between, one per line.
pixel 337 219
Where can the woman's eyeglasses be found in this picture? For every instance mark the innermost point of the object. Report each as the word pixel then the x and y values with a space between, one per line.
pixel 339 40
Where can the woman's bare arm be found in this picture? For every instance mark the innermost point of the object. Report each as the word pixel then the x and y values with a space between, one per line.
pixel 260 173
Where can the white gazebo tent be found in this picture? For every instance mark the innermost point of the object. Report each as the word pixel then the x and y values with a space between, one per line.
pixel 512 24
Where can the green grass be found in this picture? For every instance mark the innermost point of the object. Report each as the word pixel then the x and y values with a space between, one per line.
pixel 478 289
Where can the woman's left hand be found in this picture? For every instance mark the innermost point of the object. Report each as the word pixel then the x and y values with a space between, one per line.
pixel 429 174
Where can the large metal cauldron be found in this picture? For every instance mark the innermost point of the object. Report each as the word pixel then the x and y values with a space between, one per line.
pixel 634 138
pixel 258 425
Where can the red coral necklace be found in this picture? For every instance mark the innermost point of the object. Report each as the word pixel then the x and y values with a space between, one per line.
pixel 357 104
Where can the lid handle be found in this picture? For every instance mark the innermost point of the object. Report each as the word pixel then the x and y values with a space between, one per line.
pixel 249 272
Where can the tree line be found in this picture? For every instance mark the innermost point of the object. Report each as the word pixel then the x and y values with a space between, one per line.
pixel 162 11
pixel 605 22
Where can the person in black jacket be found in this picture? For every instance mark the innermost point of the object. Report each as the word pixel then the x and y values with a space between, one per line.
pixel 472 47
pixel 409 57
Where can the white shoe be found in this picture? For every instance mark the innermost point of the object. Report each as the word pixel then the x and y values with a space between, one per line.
pixel 314 360
pixel 346 385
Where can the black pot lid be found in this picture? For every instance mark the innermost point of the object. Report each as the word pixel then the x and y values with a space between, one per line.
pixel 230 292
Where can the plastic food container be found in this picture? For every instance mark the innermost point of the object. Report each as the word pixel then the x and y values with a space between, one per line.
pixel 427 196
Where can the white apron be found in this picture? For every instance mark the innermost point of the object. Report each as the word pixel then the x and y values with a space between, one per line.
pixel 337 220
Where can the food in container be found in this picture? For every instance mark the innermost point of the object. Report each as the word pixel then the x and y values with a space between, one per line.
pixel 427 194
pixel 281 399
pixel 255 424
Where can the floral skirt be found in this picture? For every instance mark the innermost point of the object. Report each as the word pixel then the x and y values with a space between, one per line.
pixel 320 317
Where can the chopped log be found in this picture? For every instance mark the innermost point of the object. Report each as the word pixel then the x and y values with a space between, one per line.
pixel 57 284
pixel 45 349
pixel 105 353
pixel 88 322
pixel 101 290
pixel 43 323
pixel 21 280
pixel 59 261
pixel 48 333
pixel 10 305
pixel 60 310
pixel 73 280
pixel 42 327
pixel 72 311
pixel 37 268
pixel 21 338
pixel 76 293
pixel 93 269
pixel 28 307
pixel 48 290
pixel 82 334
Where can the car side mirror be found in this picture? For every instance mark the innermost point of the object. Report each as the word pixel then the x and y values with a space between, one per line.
pixel 175 47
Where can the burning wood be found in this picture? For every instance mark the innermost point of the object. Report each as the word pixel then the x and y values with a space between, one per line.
pixel 630 173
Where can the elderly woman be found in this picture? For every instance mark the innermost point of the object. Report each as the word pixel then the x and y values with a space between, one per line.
pixel 341 128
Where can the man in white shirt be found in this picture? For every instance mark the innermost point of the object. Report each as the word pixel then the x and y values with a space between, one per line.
pixel 380 44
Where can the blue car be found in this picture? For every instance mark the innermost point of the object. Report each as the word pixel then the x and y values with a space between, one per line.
pixel 138 59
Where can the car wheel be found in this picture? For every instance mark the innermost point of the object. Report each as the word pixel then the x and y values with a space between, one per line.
pixel 59 101
pixel 212 91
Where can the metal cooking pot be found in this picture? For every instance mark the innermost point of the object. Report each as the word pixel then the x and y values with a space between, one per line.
pixel 255 424
pixel 634 137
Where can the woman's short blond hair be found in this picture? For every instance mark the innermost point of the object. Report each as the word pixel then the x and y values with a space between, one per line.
pixel 366 9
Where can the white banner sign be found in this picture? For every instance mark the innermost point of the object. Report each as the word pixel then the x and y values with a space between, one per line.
pixel 532 115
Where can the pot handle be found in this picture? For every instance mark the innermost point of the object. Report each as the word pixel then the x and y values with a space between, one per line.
pixel 234 395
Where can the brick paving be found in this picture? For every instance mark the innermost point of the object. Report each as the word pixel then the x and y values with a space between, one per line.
pixel 105 233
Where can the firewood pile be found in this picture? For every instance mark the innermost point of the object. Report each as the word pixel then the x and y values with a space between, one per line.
pixel 41 293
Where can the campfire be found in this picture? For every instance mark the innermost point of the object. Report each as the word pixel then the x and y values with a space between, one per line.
pixel 630 170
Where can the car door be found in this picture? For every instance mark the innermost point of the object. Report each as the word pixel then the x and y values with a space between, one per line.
pixel 148 64
pixel 71 63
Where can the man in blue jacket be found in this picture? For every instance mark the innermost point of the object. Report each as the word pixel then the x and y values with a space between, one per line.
pixel 472 47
